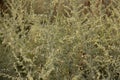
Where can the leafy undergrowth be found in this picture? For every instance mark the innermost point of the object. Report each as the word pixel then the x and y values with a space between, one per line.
pixel 77 48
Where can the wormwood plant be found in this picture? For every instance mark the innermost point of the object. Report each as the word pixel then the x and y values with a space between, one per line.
pixel 81 47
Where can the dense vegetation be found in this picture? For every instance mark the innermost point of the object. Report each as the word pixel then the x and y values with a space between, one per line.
pixel 79 47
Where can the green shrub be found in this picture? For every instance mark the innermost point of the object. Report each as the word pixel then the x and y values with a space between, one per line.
pixel 77 48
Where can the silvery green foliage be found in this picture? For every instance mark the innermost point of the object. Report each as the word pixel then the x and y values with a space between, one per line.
pixel 80 47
